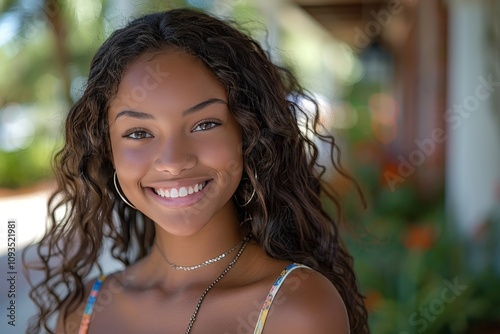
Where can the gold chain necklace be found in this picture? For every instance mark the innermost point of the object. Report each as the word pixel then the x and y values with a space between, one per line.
pixel 203 295
pixel 201 265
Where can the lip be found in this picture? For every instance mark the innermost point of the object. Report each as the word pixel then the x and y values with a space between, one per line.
pixel 179 202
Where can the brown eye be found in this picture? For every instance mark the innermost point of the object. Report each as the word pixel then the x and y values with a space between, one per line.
pixel 137 134
pixel 206 126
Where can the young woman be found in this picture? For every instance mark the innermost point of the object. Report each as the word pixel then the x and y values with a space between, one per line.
pixel 185 152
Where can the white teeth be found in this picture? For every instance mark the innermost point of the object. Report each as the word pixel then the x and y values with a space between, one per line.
pixel 181 192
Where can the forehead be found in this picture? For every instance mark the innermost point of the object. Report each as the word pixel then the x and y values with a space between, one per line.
pixel 167 75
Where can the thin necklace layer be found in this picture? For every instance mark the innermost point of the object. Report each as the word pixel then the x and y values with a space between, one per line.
pixel 201 265
pixel 203 295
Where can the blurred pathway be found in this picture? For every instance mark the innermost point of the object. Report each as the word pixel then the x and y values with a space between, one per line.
pixel 28 210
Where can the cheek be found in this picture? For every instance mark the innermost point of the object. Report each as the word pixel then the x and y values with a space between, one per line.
pixel 225 158
pixel 129 160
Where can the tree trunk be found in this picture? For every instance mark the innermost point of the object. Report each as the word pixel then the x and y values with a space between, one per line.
pixel 53 13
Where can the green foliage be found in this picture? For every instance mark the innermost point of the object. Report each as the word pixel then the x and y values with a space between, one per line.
pixel 420 274
pixel 28 166
pixel 407 263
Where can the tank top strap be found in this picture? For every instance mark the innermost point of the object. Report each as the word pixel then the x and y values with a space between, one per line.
pixel 272 293
pixel 89 307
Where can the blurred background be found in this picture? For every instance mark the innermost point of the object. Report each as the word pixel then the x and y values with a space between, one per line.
pixel 409 88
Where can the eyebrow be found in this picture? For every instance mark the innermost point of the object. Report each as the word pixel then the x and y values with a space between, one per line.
pixel 190 110
pixel 134 114
pixel 202 105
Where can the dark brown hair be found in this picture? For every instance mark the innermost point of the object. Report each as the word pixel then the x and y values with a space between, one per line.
pixel 287 218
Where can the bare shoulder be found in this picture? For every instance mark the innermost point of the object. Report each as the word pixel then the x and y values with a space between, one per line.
pixel 307 302
pixel 73 317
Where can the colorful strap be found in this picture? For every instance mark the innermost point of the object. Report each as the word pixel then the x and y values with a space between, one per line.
pixel 89 307
pixel 259 327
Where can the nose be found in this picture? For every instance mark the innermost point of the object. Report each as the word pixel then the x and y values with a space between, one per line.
pixel 174 157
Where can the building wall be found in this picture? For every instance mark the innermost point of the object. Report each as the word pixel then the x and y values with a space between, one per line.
pixel 473 145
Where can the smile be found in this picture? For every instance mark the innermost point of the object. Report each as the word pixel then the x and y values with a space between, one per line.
pixel 181 191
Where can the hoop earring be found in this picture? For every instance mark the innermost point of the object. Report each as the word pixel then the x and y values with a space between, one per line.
pixel 115 181
pixel 251 196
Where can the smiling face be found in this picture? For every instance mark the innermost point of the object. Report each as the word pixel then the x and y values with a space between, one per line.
pixel 176 146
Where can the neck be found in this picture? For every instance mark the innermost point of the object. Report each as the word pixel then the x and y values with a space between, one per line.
pixel 193 250
pixel 200 264
pixel 215 238
pixel 169 279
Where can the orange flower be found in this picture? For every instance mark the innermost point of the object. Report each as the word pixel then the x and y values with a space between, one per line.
pixel 373 300
pixel 389 168
pixel 419 237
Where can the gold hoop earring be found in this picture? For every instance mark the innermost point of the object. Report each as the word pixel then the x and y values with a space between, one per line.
pixel 115 181
pixel 251 196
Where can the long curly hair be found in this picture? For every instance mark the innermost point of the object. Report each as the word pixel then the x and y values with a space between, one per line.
pixel 280 163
